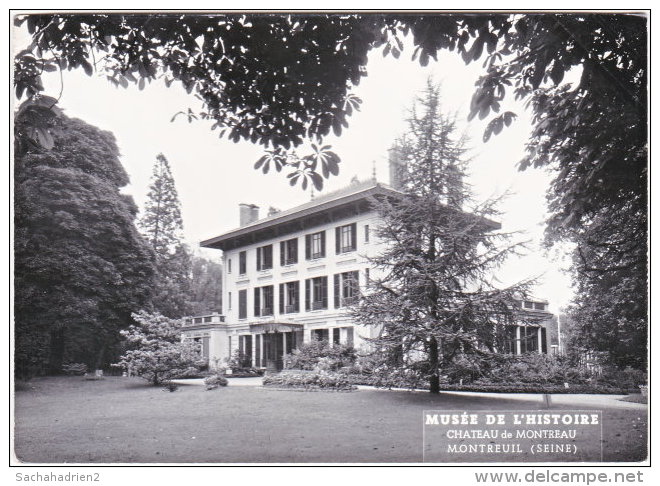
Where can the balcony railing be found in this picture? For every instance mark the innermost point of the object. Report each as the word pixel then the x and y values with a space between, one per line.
pixel 267 311
pixel 289 309
pixel 349 300
pixel 209 319
pixel 321 304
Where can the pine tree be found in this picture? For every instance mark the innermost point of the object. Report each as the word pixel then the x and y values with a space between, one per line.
pixel 435 303
pixel 162 226
pixel 162 222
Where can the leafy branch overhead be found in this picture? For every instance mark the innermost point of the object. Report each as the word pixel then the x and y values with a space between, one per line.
pixel 278 80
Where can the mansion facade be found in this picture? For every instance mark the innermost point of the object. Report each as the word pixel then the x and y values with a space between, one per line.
pixel 288 278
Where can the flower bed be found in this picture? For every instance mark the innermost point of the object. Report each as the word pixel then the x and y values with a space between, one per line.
pixel 399 382
pixel 309 381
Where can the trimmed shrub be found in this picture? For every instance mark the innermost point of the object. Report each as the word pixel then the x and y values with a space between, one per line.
pixel 316 380
pixel 214 381
pixel 320 355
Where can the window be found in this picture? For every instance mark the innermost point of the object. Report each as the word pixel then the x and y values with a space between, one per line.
pixel 321 334
pixel 229 301
pixel 315 245
pixel 245 350
pixel 510 339
pixel 367 278
pixel 289 297
pixel 336 333
pixel 263 301
pixel 528 305
pixel 242 304
pixel 345 238
pixel 529 341
pixel 265 257
pixel 316 293
pixel 366 233
pixel 347 288
pixel 242 263
pixel 289 252
pixel 539 306
pixel 229 266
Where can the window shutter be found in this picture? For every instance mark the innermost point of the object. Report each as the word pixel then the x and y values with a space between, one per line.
pixel 282 250
pixel 294 251
pixel 338 239
pixel 354 236
pixel 258 258
pixel 337 291
pixel 323 243
pixel 324 291
pixel 308 283
pixel 308 247
pixel 257 303
pixel 296 294
pixel 281 298
pixel 268 257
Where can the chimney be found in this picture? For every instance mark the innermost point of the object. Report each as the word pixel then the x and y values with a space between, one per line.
pixel 248 213
pixel 397 169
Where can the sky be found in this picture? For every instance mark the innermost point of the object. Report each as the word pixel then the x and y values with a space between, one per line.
pixel 213 176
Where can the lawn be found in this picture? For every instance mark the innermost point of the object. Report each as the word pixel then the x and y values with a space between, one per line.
pixel 69 419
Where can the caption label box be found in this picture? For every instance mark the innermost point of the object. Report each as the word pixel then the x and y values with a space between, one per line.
pixel 512 436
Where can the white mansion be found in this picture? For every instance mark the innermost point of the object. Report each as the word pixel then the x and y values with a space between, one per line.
pixel 289 276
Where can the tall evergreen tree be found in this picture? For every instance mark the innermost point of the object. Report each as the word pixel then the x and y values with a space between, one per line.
pixel 435 302
pixel 162 226
pixel 161 222
pixel 81 267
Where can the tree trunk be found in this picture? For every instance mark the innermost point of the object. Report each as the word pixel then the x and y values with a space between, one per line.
pixel 433 361
pixel 56 351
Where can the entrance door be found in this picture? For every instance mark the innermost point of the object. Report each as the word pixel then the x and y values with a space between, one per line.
pixel 273 350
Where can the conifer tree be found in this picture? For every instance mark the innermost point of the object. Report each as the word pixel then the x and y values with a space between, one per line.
pixel 435 303
pixel 162 222
pixel 162 226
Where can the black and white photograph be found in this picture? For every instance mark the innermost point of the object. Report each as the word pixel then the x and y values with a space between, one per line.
pixel 323 237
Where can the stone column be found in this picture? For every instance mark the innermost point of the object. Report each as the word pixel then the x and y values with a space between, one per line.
pixel 518 346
